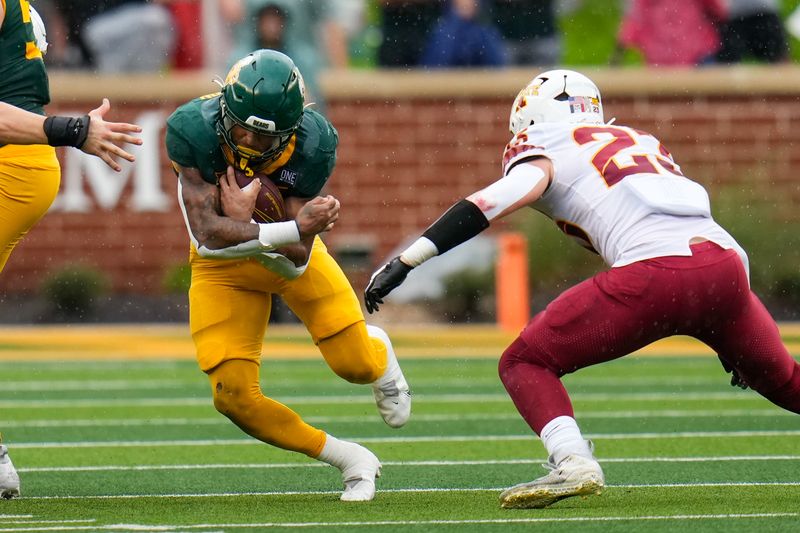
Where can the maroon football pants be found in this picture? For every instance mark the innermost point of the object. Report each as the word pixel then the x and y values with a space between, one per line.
pixel 706 296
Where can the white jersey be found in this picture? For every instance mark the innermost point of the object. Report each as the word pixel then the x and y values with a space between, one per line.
pixel 618 192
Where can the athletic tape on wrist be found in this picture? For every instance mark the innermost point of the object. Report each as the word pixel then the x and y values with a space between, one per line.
pixel 67 131
pixel 276 234
pixel 420 251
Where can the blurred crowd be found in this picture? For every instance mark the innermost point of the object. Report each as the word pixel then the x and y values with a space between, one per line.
pixel 156 35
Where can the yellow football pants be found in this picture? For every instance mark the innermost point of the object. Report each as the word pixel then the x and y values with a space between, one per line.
pixel 29 181
pixel 230 303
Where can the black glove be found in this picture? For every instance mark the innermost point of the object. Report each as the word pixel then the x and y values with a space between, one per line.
pixel 384 281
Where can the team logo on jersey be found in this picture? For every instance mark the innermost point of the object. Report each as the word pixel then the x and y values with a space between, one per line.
pixel 584 104
pixel 288 176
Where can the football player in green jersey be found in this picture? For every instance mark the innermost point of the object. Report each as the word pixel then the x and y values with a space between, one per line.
pixel 100 138
pixel 29 171
pixel 259 123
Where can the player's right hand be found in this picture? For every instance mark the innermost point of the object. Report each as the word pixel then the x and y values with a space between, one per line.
pixel 237 202
pixel 383 281
pixel 104 139
pixel 317 215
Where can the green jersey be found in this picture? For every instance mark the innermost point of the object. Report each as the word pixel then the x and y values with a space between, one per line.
pixel 301 170
pixel 24 79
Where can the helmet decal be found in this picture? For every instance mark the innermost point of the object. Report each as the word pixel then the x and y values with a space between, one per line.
pixel 584 104
pixel 233 73
pixel 260 124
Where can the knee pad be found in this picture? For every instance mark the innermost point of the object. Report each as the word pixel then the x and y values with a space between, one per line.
pixel 510 358
pixel 353 353
pixel 231 400
pixel 236 388
pixel 520 352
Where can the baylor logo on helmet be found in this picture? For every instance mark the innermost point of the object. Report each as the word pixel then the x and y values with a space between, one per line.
pixel 233 73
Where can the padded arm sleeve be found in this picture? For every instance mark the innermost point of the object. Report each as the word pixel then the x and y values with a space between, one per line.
pixel 458 224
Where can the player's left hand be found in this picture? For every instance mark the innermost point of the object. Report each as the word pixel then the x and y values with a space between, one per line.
pixel 383 281
pixel 104 138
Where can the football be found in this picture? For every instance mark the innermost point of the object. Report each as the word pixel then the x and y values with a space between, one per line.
pixel 269 203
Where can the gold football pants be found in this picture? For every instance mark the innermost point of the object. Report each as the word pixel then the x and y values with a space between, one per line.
pixel 29 180
pixel 230 303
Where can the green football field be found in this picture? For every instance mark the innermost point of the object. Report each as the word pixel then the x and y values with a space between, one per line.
pixel 136 446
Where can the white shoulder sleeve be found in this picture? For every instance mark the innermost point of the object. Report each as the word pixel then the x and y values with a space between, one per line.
pixel 508 190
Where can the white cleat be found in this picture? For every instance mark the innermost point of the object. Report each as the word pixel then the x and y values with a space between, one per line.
pixel 9 479
pixel 575 475
pixel 391 391
pixel 359 474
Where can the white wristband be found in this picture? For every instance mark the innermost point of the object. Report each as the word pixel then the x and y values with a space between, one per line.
pixel 276 234
pixel 419 252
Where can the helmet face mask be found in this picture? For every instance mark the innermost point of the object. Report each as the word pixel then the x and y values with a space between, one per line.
pixel 556 96
pixel 264 94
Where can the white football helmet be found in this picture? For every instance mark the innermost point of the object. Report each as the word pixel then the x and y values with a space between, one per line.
pixel 556 96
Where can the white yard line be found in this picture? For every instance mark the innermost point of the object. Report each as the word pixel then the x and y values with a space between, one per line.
pixel 395 523
pixel 367 398
pixel 146 383
pixel 219 420
pixel 425 438
pixel 392 491
pixel 32 521
pixel 493 462
pixel 92 385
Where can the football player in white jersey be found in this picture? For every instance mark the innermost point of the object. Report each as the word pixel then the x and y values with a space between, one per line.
pixel 674 270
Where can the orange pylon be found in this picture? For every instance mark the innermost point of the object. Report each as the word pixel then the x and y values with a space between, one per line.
pixel 511 282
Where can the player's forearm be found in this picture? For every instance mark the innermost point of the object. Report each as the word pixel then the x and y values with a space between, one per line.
pixel 225 232
pixel 220 232
pixel 18 126
pixel 297 253
pixel 463 221
pixel 523 185
pixel 211 230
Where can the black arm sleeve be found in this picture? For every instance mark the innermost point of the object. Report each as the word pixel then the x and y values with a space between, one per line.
pixel 458 224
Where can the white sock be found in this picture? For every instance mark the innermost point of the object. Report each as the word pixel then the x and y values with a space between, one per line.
pixel 335 452
pixel 562 437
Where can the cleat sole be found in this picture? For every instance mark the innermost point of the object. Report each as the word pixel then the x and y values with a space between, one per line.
pixel 9 494
pixel 538 497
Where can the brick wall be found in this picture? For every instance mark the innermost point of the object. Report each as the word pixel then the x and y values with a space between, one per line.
pixel 411 145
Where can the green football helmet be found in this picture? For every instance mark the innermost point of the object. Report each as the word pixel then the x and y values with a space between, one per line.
pixel 264 93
